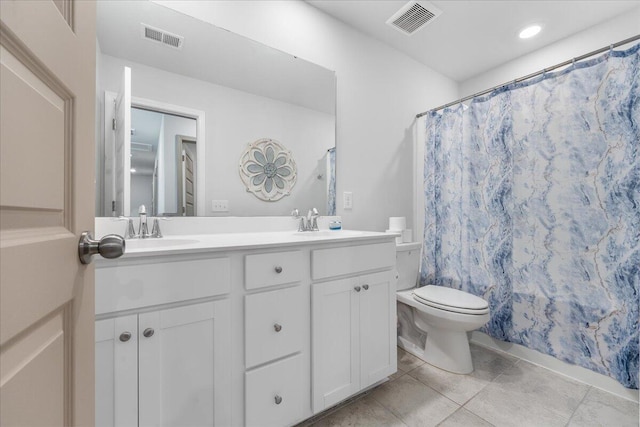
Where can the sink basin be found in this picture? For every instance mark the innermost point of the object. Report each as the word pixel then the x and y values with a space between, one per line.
pixel 157 243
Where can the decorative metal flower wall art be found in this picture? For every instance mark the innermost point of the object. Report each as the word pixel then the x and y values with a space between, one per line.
pixel 268 170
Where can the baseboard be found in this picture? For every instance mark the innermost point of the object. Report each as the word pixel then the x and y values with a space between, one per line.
pixel 577 373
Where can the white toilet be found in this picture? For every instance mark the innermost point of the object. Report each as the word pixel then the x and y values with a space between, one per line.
pixel 445 315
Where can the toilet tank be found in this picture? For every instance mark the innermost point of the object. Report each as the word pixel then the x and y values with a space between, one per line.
pixel 407 264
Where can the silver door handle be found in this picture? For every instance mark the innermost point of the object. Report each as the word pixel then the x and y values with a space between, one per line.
pixel 110 246
pixel 357 288
pixel 148 333
pixel 125 336
pixel 366 287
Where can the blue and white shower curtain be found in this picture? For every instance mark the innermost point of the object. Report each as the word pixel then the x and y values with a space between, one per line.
pixel 532 201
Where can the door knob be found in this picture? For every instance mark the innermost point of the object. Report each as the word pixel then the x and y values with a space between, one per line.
pixel 125 336
pixel 357 288
pixel 366 287
pixel 148 333
pixel 110 246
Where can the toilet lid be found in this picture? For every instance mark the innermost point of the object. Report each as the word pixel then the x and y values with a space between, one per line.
pixel 450 299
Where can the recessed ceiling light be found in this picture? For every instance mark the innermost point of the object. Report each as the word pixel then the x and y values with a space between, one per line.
pixel 530 31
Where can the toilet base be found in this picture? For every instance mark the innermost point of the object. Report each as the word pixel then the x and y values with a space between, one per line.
pixel 448 350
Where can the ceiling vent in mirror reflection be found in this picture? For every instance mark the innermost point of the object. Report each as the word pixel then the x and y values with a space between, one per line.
pixel 161 36
pixel 140 146
pixel 413 16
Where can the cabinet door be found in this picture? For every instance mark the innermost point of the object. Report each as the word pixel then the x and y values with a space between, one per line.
pixel 185 356
pixel 335 342
pixel 117 371
pixel 378 357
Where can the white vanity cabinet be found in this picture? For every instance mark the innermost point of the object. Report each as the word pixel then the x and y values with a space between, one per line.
pixel 252 334
pixel 164 366
pixel 353 321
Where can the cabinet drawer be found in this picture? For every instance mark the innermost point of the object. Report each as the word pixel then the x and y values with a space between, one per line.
pixel 352 259
pixel 274 324
pixel 277 382
pixel 263 270
pixel 127 286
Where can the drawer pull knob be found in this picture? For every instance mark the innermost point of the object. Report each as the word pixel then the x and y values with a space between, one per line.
pixel 277 327
pixel 278 269
pixel 125 336
pixel 357 288
pixel 365 287
pixel 148 332
pixel 278 400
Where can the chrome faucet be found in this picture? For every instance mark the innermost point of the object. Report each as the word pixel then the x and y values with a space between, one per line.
pixel 301 225
pixel 311 223
pixel 312 220
pixel 143 230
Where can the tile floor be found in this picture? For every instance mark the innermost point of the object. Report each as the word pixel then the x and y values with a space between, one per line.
pixel 502 391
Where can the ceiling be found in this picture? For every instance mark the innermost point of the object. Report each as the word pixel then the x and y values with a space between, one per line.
pixel 471 37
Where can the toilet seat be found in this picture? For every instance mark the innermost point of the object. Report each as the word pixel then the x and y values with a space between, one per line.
pixel 450 299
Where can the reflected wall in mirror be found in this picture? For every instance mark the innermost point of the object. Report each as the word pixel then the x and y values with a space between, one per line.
pixel 163 158
pixel 245 92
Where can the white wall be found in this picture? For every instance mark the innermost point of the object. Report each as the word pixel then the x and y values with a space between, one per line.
pixel 141 189
pixel 612 31
pixel 235 119
pixel 380 90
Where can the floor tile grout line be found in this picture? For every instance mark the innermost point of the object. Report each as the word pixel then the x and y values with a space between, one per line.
pixel 579 404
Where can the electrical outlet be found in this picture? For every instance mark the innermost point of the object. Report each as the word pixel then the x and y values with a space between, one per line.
pixel 347 199
pixel 220 206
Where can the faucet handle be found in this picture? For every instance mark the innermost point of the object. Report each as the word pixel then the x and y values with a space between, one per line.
pixel 131 231
pixel 155 230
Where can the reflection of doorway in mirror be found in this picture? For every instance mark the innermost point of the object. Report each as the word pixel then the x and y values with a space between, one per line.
pixel 156 161
pixel 149 159
pixel 187 155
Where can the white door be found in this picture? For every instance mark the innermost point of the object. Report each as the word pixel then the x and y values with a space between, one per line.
pixel 183 352
pixel 117 372
pixel 335 342
pixel 47 195
pixel 378 354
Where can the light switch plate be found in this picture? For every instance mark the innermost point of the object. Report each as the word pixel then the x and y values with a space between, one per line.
pixel 347 199
pixel 220 206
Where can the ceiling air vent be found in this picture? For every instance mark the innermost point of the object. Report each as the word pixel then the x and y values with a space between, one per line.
pixel 413 16
pixel 140 146
pixel 161 36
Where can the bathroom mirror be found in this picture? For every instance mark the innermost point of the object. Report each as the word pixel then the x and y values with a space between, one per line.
pixel 239 91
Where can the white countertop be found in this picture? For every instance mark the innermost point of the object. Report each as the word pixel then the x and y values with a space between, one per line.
pixel 184 244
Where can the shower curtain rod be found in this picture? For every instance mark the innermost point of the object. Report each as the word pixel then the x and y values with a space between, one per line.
pixel 537 73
